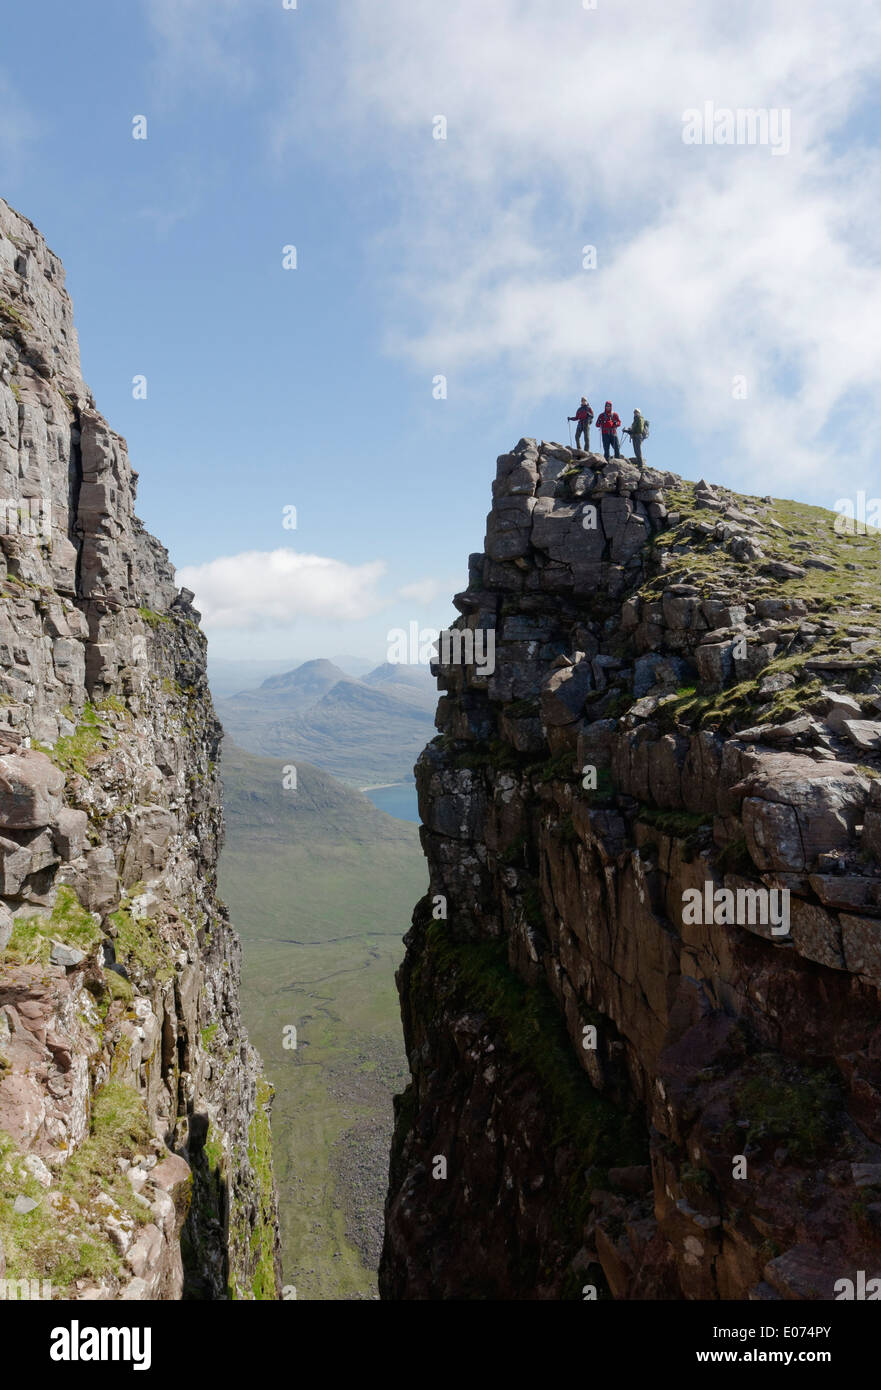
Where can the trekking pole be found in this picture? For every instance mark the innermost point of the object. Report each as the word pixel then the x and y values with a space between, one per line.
pixel 569 422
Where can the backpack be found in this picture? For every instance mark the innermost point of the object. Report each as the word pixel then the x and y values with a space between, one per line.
pixel 645 429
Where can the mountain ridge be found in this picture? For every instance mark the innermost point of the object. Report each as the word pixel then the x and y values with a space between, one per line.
pixel 363 731
pixel 635 1100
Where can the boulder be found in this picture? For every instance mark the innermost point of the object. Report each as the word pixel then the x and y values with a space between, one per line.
pixel 836 706
pixel 68 956
pixel 795 809
pixel 772 835
pixel 150 828
pixel 170 1172
pixel 30 791
pixel 508 527
pixel 564 693
pixel 848 891
pixel 782 569
pixel 15 865
pixel 71 833
pixel 816 934
pixel 654 670
pixel 99 884
pixel 715 663
pixel 805 1273
pixel 864 733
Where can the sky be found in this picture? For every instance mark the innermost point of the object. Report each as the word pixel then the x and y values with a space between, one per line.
pixel 367 245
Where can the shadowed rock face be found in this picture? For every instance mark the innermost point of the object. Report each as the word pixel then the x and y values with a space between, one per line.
pixel 626 1076
pixel 122 1054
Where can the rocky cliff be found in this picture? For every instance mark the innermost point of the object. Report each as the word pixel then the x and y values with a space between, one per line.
pixel 134 1119
pixel 641 999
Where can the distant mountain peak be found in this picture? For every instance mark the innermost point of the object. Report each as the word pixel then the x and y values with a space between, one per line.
pixel 399 673
pixel 319 672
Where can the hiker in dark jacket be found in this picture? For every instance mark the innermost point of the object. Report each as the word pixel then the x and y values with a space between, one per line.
pixel 638 431
pixel 608 423
pixel 583 415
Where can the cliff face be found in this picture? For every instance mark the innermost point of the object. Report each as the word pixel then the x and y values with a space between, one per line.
pixel 134 1119
pixel 621 1086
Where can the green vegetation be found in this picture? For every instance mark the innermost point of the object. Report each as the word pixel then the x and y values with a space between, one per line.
pixel 153 619
pixel 213 1149
pixel 139 943
pixel 453 976
pixel 120 1127
pixel 321 887
pixel 75 752
pixel 522 709
pixel 792 1105
pixel 603 791
pixel 734 706
pixel 498 754
pixel 696 1183
pixel 558 769
pixel 117 988
pixel 680 824
pixel 13 323
pixel 262 1246
pixel 501 756
pixel 62 1243
pixel 112 704
pixel 848 594
pixel 478 976
pixel 68 922
pixel 735 857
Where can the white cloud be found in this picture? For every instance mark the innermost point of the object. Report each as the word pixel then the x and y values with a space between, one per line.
pixel 258 588
pixel 565 128
pixel 199 40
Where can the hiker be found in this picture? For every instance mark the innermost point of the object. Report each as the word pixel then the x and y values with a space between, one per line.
pixel 583 415
pixel 608 423
pixel 638 434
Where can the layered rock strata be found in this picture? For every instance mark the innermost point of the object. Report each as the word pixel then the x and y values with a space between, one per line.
pixel 641 998
pixel 134 1119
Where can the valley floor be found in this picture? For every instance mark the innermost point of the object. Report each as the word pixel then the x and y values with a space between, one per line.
pixel 322 922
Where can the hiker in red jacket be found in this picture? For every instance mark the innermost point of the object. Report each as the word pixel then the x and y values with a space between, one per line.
pixel 608 423
pixel 583 415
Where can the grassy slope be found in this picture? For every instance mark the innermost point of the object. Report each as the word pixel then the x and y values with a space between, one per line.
pixel 321 886
pixel 845 598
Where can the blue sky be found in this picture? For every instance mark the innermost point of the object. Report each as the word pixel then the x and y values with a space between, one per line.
pixel 418 257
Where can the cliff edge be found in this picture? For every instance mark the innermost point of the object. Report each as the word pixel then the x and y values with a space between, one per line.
pixel 134 1119
pixel 641 998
